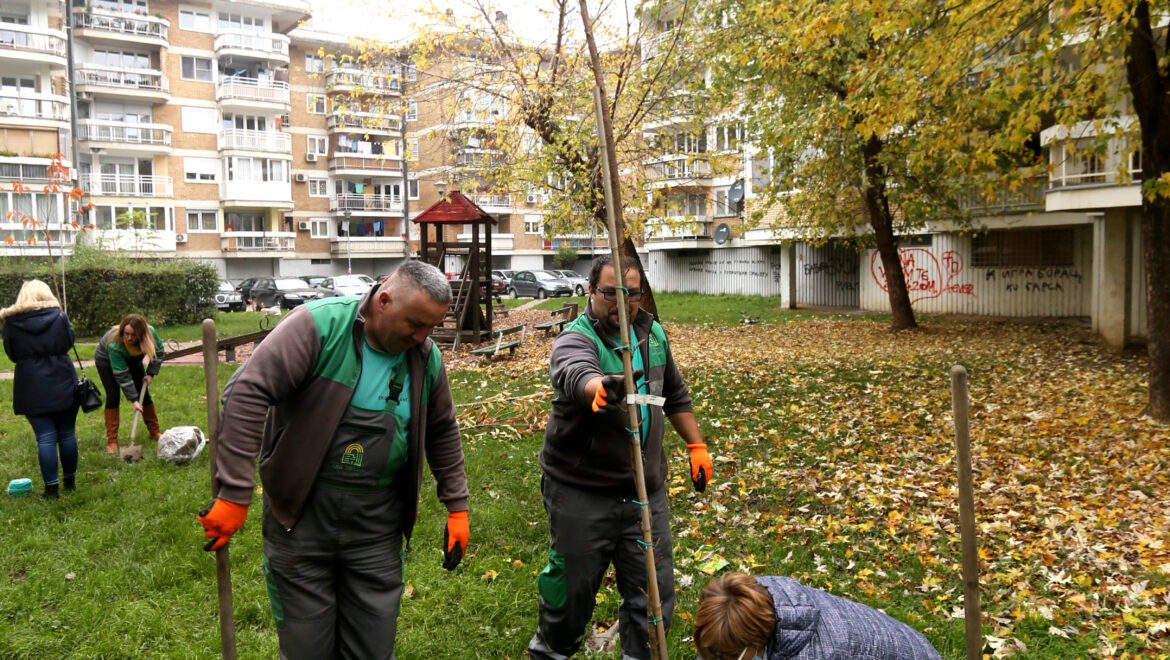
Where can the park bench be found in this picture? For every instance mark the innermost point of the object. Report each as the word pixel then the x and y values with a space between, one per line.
pixel 560 317
pixel 490 351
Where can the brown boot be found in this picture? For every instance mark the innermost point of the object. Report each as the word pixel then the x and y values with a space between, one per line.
pixel 111 430
pixel 151 418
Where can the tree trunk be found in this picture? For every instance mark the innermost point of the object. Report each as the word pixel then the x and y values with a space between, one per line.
pixel 877 210
pixel 1148 87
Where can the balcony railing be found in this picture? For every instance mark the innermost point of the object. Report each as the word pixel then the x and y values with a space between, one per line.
pixel 499 241
pixel 127 185
pixel 1029 196
pixel 257 241
pixel 31 39
pixel 274 141
pixel 387 246
pixel 680 168
pixel 12 169
pixel 252 89
pixel 138 79
pixel 118 132
pixel 117 22
pixel 492 200
pixel 358 121
pixel 37 106
pixel 365 81
pixel 359 162
pixel 238 190
pixel 355 202
pixel 691 226
pixel 267 44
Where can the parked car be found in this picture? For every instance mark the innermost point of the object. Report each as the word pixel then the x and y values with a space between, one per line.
pixel 539 284
pixel 285 292
pixel 228 299
pixel 347 285
pixel 499 284
pixel 580 282
pixel 245 288
pixel 315 280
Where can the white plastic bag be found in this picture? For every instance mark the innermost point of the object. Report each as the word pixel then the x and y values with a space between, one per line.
pixel 181 444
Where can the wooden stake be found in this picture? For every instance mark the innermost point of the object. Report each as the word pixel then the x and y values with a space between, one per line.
pixel 223 566
pixel 973 616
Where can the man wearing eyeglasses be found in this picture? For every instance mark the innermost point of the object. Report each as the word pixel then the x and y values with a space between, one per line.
pixel 594 516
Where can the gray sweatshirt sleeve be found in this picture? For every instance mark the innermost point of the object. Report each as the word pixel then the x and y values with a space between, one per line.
pixel 574 363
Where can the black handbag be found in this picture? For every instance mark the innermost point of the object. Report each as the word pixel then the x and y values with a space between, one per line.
pixel 88 396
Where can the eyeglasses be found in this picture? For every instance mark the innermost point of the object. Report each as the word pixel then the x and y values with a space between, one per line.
pixel 611 295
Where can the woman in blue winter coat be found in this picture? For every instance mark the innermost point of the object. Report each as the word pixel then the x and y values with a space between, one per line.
pixel 776 618
pixel 37 337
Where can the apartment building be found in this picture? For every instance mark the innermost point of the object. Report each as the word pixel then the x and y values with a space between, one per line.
pixel 34 123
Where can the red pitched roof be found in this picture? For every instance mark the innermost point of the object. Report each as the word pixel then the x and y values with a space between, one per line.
pixel 454 209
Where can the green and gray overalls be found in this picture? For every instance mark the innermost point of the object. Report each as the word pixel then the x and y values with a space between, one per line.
pixel 590 528
pixel 335 578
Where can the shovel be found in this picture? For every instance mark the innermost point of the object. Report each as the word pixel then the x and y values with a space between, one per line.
pixel 133 452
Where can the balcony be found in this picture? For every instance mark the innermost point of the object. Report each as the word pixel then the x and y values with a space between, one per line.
pixel 679 170
pixel 366 203
pixel 38 247
pixel 117 185
pixel 245 140
pixel 132 240
pixel 269 194
pixel 1079 180
pixel 358 163
pixel 133 84
pixel 490 203
pixel 267 46
pixel 245 92
pixel 1027 198
pixel 121 27
pixel 127 137
pixel 679 227
pixel 258 241
pixel 363 122
pixel 500 242
pixel 32 44
pixel 368 246
pixel 26 169
pixel 46 107
pixel 362 82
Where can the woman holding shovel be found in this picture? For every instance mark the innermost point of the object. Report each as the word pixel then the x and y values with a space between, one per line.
pixel 120 359
pixel 37 338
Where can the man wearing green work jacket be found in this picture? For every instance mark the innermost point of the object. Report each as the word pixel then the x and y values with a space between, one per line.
pixel 342 401
pixel 594 516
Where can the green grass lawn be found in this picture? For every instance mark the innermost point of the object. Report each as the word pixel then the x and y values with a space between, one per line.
pixel 834 464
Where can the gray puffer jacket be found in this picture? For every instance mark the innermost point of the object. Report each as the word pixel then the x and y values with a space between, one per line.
pixel 814 625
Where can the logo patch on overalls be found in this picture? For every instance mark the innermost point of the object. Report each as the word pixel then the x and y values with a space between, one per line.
pixel 353 455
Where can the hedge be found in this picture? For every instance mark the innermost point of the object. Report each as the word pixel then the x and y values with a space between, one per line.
pixel 99 292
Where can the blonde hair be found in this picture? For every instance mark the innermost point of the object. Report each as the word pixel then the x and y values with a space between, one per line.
pixel 735 613
pixel 36 291
pixel 141 329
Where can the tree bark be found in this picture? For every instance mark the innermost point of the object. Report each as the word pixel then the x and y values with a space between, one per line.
pixel 877 210
pixel 1148 87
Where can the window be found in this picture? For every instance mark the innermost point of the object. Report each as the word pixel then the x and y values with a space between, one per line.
pixel 412 189
pixel 727 138
pixel 412 148
pixel 196 68
pixel 532 224
pixel 197 20
pixel 242 168
pixel 1023 247
pixel 314 63
pixel 199 120
pixel 319 228
pixel 412 111
pixel 200 170
pixel 315 104
pixel 228 21
pixel 318 187
pixel 411 73
pixel 317 144
pixel 201 220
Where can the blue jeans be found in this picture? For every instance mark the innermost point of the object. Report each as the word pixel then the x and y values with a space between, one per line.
pixel 53 430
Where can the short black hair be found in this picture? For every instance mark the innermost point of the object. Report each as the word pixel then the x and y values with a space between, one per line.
pixel 628 261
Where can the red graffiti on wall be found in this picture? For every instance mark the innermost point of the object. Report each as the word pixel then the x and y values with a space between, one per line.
pixel 925 277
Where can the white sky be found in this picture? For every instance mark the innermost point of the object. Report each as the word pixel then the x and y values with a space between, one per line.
pixel 396 20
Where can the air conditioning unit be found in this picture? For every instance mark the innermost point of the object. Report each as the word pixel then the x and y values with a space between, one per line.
pixel 310 158
pixel 303 225
pixel 300 177
pixel 180 238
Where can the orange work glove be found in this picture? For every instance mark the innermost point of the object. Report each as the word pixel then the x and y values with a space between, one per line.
pixel 455 536
pixel 701 466
pixel 612 390
pixel 220 520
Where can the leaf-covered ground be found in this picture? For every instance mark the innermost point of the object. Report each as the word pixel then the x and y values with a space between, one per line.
pixel 835 464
